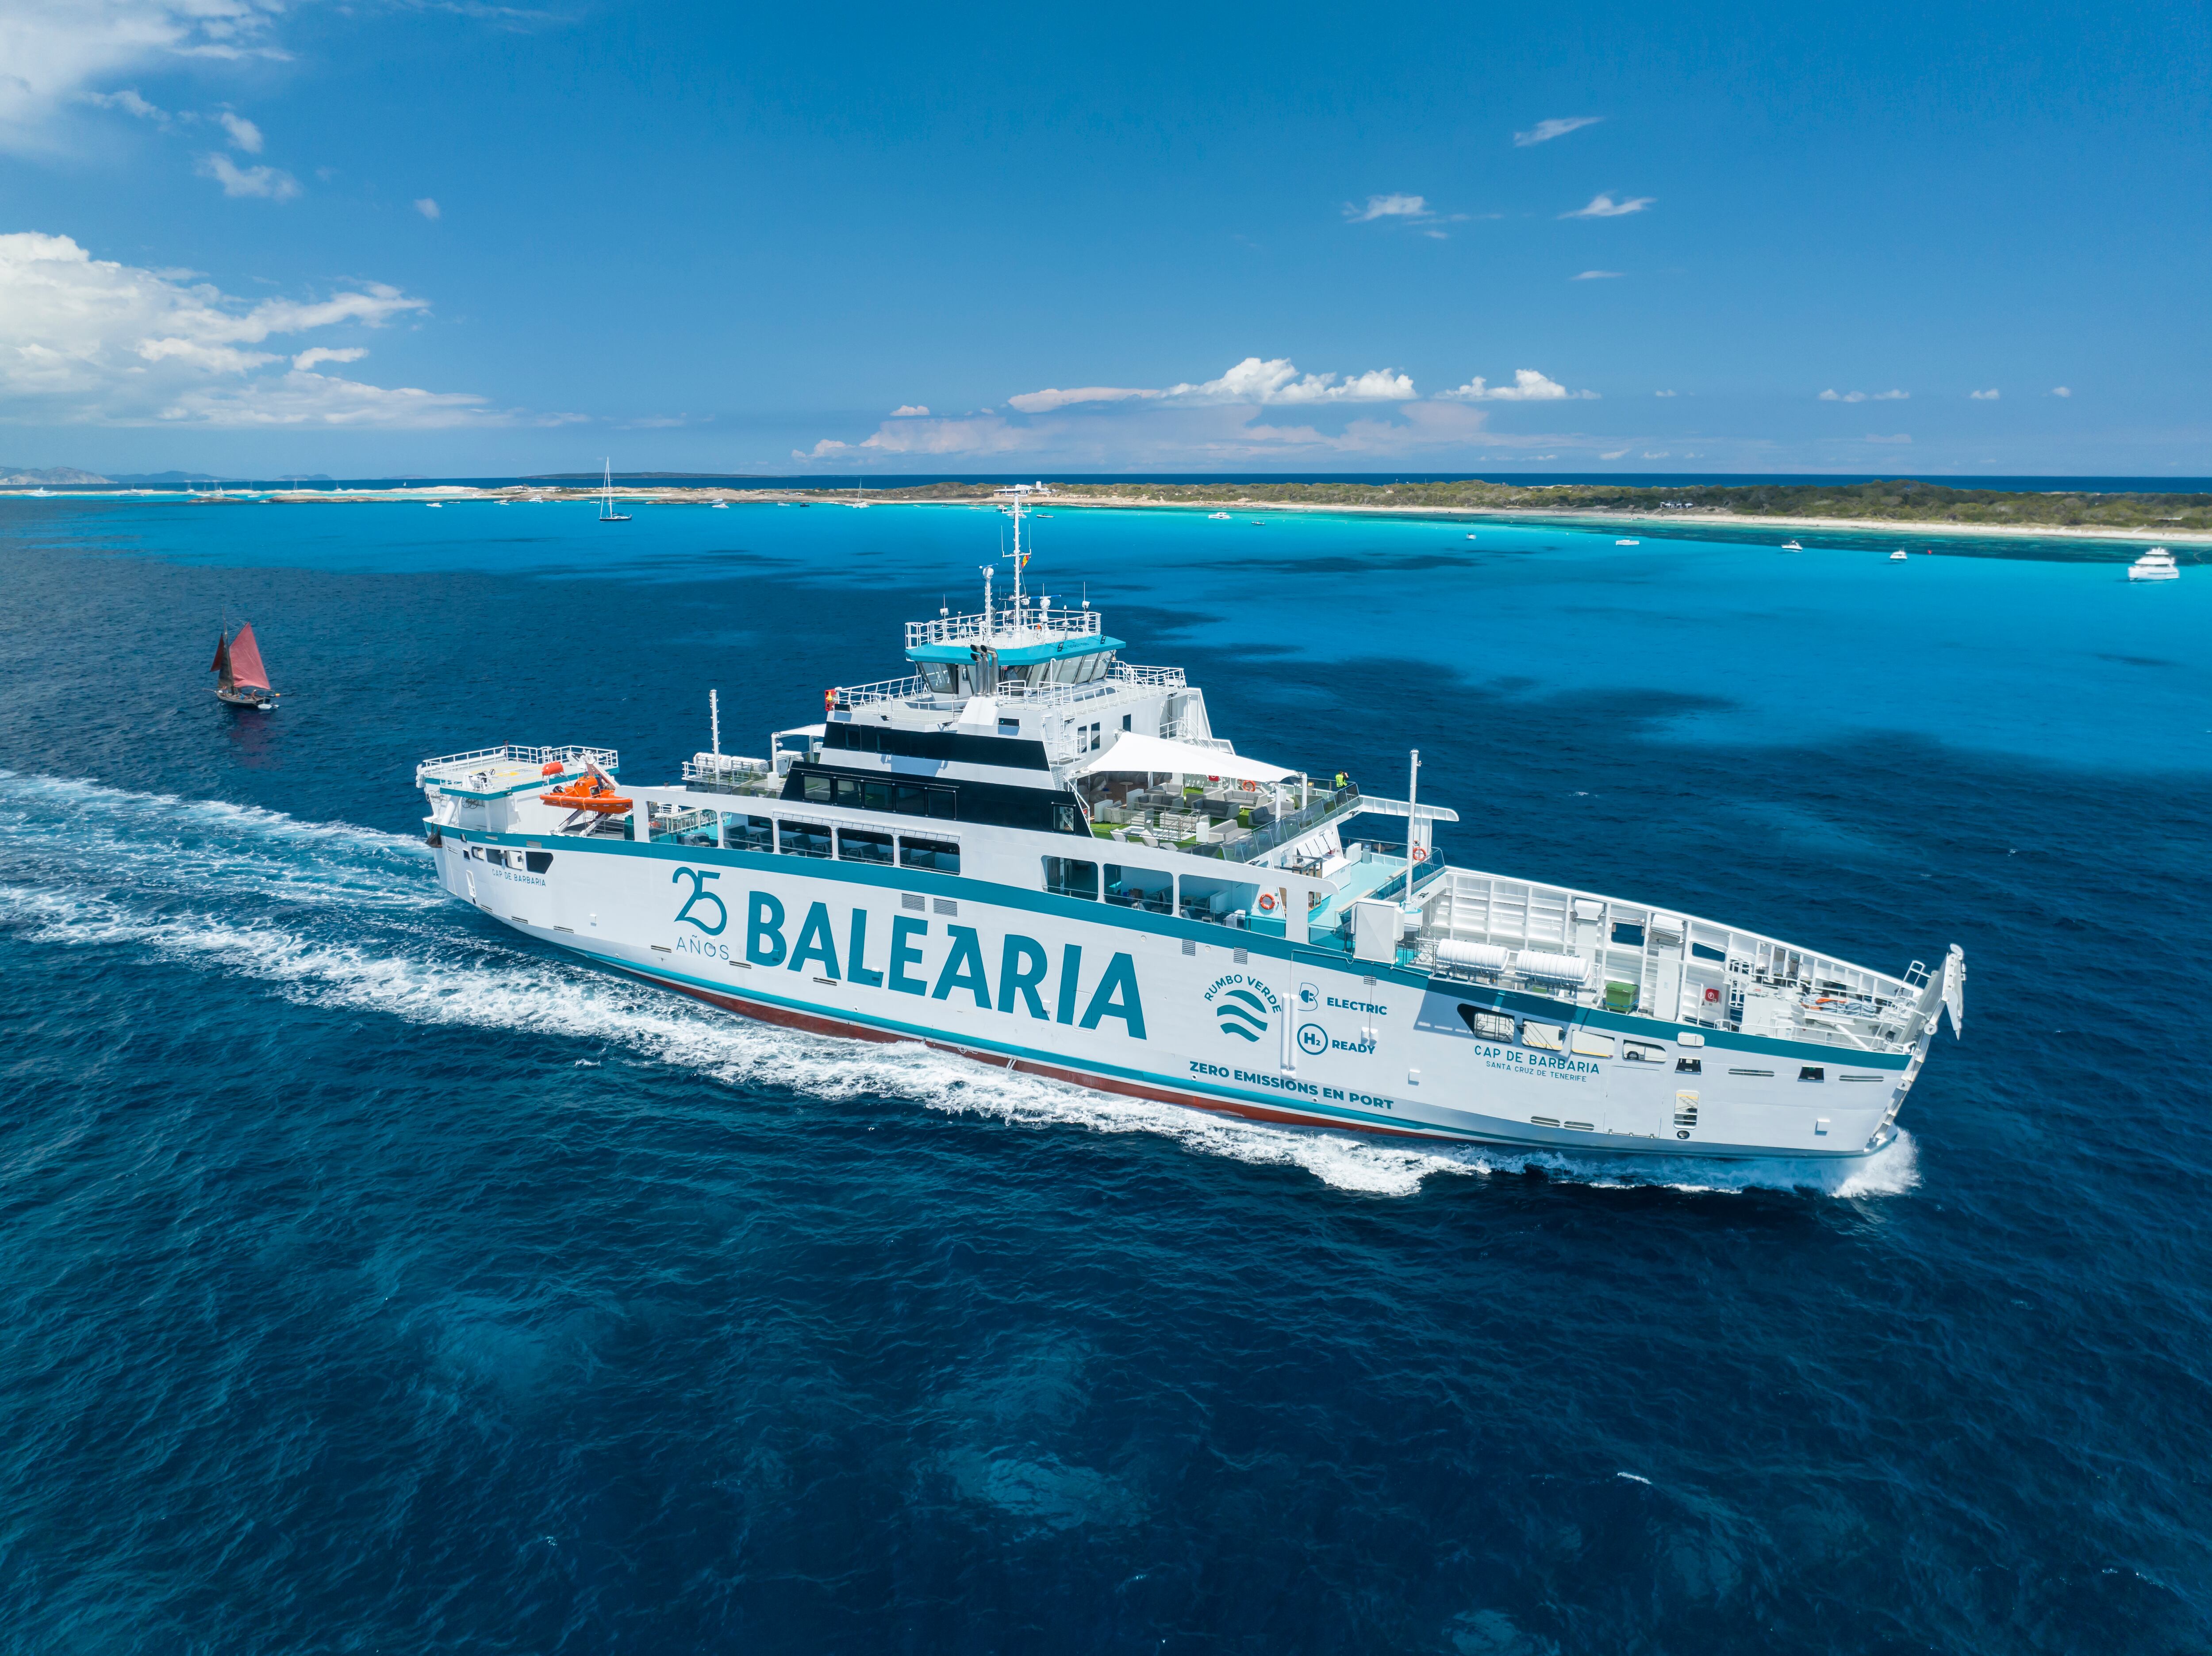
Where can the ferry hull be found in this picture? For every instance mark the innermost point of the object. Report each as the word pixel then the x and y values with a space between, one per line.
pixel 1137 1004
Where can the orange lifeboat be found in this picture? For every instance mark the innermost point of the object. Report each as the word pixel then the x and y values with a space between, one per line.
pixel 588 793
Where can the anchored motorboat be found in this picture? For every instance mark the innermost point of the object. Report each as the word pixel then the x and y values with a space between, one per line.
pixel 1031 851
pixel 2157 564
pixel 1791 546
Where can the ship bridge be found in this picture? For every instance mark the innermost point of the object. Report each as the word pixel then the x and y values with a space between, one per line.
pixel 1027 668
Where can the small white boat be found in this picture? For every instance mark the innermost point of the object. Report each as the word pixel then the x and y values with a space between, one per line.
pixel 1791 546
pixel 1897 556
pixel 1219 517
pixel 435 505
pixel 721 505
pixel 2157 564
pixel 1470 537
pixel 607 512
pixel 1616 543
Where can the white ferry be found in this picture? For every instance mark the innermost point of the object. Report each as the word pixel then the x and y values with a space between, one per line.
pixel 1037 855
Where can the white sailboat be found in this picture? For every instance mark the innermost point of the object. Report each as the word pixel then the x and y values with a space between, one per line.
pixel 607 512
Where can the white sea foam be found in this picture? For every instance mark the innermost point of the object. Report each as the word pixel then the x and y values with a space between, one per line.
pixel 336 915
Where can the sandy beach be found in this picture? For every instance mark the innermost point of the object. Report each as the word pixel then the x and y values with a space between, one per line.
pixel 634 496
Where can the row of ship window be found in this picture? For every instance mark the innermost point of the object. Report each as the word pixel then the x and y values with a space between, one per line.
pixel 1589 1043
pixel 784 837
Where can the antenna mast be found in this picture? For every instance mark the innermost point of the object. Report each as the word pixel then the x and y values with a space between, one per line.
pixel 714 720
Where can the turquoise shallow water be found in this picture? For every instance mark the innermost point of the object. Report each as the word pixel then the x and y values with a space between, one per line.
pixel 377 1279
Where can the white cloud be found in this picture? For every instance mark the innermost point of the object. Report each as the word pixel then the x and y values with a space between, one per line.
pixel 89 342
pixel 270 182
pixel 1545 132
pixel 55 51
pixel 2061 391
pixel 244 134
pixel 1663 393
pixel 1605 207
pixel 1527 386
pixel 909 410
pixel 128 102
pixel 1043 402
pixel 1613 454
pixel 1278 380
pixel 1892 396
pixel 1595 275
pixel 1831 396
pixel 428 207
pixel 1389 207
pixel 1657 454
pixel 1989 396
pixel 1901 437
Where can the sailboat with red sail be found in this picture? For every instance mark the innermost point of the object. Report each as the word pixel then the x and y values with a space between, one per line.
pixel 242 680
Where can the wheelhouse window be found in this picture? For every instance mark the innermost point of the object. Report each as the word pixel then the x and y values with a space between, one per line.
pixel 1064 876
pixel 803 839
pixel 1140 887
pixel 744 832
pixel 863 846
pixel 820 789
pixel 938 856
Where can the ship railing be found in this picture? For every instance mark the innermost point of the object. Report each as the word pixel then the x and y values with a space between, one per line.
pixel 1246 845
pixel 453 765
pixel 884 689
pixel 723 772
pixel 976 627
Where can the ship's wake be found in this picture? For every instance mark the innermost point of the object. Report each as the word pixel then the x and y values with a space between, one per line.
pixel 333 915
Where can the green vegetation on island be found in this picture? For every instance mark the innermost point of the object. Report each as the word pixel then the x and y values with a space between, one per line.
pixel 1898 501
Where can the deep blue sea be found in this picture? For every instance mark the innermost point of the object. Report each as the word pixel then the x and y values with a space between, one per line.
pixel 374 1280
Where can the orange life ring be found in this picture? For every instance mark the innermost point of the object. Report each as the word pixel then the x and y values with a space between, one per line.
pixel 1421 853
pixel 1266 902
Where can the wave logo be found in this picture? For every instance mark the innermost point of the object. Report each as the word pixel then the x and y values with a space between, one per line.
pixel 1242 1006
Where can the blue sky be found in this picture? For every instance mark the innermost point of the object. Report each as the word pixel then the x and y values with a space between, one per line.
pixel 378 238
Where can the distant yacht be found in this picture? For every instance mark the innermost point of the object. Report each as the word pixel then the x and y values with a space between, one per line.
pixel 2157 564
pixel 1897 556
pixel 1223 517
pixel 1791 546
pixel 721 505
pixel 241 679
pixel 1616 543
pixel 435 505
pixel 607 512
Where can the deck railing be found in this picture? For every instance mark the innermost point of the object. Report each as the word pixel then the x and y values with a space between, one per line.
pixel 975 628
pixel 459 764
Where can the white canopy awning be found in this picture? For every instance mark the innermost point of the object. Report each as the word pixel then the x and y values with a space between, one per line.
pixel 1131 752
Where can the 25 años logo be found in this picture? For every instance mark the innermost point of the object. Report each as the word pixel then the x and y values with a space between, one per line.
pixel 700 894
